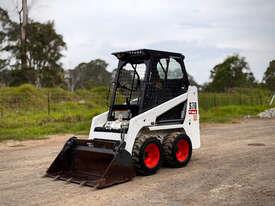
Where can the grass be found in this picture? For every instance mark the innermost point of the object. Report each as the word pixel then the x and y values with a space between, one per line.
pixel 38 124
pixel 229 113
pixel 40 132
pixel 30 113
pixel 242 97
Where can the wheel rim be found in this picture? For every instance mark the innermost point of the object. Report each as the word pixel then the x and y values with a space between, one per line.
pixel 182 150
pixel 152 155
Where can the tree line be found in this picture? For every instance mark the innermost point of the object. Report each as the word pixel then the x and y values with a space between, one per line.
pixel 36 60
pixel 234 72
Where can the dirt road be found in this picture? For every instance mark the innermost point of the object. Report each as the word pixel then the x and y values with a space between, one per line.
pixel 235 166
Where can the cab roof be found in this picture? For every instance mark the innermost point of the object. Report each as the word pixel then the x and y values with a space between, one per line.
pixel 142 54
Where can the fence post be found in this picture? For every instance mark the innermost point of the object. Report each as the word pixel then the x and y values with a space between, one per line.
pixel 240 99
pixel 261 100
pixel 251 100
pixel 2 112
pixel 271 101
pixel 49 103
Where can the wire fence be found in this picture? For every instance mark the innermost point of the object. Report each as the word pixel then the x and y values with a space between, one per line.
pixel 210 100
pixel 50 103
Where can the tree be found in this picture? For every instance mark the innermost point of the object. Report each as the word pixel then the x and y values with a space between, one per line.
pixel 44 47
pixel 23 21
pixel 232 72
pixel 43 50
pixel 88 75
pixel 6 26
pixel 5 77
pixel 192 80
pixel 269 76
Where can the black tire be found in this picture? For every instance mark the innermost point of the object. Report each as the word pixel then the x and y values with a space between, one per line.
pixel 170 148
pixel 139 154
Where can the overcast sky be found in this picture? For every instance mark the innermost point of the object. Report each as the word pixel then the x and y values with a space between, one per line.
pixel 204 31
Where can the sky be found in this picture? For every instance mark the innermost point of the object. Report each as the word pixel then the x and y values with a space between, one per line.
pixel 206 32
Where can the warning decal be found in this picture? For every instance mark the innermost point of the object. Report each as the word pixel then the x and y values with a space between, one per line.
pixel 192 108
pixel 192 111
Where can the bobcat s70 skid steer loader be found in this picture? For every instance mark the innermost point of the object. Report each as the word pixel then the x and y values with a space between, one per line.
pixel 153 118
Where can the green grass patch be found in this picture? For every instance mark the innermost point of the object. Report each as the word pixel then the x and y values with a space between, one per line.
pixel 229 113
pixel 38 124
pixel 242 97
pixel 40 132
pixel 27 112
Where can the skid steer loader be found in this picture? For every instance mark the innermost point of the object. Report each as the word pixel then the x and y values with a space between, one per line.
pixel 153 118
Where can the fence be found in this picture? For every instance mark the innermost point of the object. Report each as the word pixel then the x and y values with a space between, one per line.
pixel 61 103
pixel 209 100
pixel 34 113
pixel 49 103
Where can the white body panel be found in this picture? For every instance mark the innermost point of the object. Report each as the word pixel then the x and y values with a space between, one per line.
pixel 148 119
pixel 97 121
pixel 191 123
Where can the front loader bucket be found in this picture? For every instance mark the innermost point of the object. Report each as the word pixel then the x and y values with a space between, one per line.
pixel 96 163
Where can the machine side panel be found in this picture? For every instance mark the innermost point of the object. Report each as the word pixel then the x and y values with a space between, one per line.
pixel 97 121
pixel 192 119
pixel 148 118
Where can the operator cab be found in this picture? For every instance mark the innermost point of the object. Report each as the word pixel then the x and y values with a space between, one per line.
pixel 144 79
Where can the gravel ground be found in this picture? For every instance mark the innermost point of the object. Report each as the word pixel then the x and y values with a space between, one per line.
pixel 235 166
